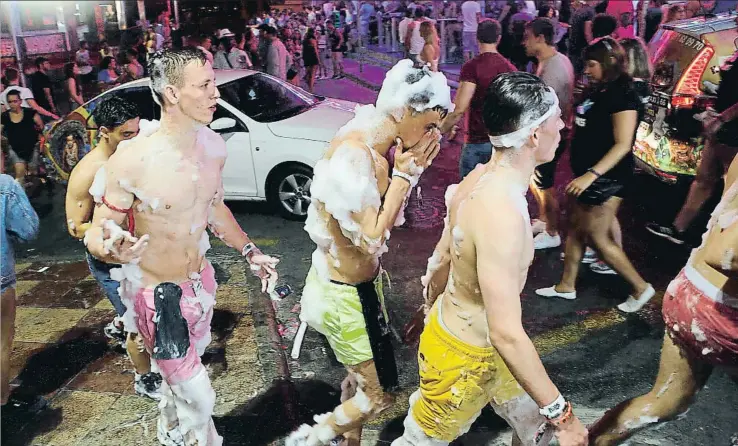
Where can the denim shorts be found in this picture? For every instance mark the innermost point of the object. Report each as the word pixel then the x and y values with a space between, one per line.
pixel 101 272
pixel 473 154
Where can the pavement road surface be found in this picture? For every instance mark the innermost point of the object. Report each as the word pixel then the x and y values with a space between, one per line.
pixel 596 355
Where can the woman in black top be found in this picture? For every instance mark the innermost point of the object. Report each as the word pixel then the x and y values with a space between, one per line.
pixel 21 127
pixel 310 57
pixel 602 163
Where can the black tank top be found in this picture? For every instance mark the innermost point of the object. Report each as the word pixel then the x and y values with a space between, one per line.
pixel 22 136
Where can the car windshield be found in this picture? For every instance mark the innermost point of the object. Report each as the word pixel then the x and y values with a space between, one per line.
pixel 266 99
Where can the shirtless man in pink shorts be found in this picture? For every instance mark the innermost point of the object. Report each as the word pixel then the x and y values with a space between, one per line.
pixel 166 185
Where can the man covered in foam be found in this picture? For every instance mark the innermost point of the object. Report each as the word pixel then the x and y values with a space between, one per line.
pixel 700 310
pixel 165 186
pixel 355 204
pixel 473 348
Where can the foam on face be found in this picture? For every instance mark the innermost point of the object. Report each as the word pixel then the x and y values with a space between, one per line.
pixel 396 92
pixel 97 189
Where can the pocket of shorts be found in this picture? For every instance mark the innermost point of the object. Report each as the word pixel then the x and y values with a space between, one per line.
pixel 472 388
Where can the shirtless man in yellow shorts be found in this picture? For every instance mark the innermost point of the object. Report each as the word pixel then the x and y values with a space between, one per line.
pixel 355 204
pixel 473 349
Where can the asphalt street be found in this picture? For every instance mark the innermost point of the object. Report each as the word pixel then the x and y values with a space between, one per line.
pixel 596 356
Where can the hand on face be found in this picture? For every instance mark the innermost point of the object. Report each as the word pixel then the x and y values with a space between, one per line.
pixel 422 154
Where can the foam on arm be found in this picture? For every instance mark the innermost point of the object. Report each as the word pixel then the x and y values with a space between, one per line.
pixel 439 264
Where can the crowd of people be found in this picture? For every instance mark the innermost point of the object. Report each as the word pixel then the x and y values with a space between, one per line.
pixel 535 84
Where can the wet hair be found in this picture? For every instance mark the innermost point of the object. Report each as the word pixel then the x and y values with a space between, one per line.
pixel 489 31
pixel 603 25
pixel 421 99
pixel 166 67
pixel 40 61
pixel 542 27
pixel 69 70
pixel 105 63
pixel 513 101
pixel 610 55
pixel 11 74
pixel 426 31
pixel 636 58
pixel 114 111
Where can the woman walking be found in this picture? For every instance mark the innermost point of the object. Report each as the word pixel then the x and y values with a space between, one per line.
pixel 602 163
pixel 431 52
pixel 310 57
pixel 71 86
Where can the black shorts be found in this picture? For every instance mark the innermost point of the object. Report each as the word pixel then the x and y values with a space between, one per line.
pixel 602 190
pixel 380 336
pixel 543 177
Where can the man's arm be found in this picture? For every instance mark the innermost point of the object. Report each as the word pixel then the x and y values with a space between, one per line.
pixel 49 97
pixel 38 122
pixel 22 220
pixel 78 202
pixel 463 99
pixel 40 110
pixel 436 274
pixel 498 269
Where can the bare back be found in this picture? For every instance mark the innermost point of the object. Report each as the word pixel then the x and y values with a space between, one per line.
pixel 482 194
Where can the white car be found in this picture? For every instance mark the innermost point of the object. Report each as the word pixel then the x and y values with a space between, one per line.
pixel 275 133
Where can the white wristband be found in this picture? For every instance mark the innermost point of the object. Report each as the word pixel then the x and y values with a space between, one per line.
pixel 554 409
pixel 248 248
pixel 413 180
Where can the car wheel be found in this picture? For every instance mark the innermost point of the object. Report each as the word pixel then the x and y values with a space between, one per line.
pixel 289 191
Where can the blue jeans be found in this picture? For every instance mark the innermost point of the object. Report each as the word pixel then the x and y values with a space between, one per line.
pixel 101 272
pixel 473 154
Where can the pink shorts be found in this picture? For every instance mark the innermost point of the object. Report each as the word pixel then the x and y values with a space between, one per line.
pixel 699 324
pixel 198 298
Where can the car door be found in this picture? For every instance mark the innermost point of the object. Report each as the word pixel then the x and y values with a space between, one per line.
pixel 238 174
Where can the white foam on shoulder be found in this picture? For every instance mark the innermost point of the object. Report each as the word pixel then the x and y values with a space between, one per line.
pixel 97 189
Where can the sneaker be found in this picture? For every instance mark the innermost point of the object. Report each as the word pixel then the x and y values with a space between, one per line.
pixel 590 256
pixel 148 385
pixel 551 292
pixel 601 267
pixel 634 304
pixel 114 331
pixel 668 232
pixel 172 437
pixel 544 240
pixel 341 76
pixel 538 226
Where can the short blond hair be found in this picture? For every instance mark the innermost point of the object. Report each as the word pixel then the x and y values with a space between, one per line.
pixel 427 31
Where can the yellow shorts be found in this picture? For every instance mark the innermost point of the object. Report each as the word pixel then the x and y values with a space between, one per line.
pixel 456 381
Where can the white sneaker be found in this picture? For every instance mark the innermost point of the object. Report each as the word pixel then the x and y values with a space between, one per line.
pixel 538 226
pixel 551 292
pixel 601 267
pixel 634 304
pixel 544 240
pixel 590 256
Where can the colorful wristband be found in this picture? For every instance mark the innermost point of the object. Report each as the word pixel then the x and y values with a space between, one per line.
pixel 554 409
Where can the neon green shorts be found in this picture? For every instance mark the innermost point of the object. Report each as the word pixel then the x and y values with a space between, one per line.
pixel 335 311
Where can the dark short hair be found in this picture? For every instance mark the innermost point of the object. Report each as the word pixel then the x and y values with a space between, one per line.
pixel 489 31
pixel 105 63
pixel 513 100
pixel 40 61
pixel 131 52
pixel 419 13
pixel 114 111
pixel 69 70
pixel 408 13
pixel 603 25
pixel 542 27
pixel 608 52
pixel 11 74
pixel 13 92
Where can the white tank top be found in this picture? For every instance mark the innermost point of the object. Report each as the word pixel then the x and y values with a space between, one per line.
pixel 416 41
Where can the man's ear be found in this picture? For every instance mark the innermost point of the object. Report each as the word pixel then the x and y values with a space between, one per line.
pixel 171 94
pixel 398 113
pixel 534 138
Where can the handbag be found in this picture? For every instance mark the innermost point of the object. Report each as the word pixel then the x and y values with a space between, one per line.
pixel 601 190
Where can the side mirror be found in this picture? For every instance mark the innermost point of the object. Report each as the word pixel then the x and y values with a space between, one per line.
pixel 223 124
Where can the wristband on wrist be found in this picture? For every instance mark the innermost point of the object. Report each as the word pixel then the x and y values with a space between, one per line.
pixel 248 250
pixel 564 418
pixel 406 176
pixel 554 409
pixel 594 172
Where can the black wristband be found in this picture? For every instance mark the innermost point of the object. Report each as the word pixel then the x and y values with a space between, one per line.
pixel 594 172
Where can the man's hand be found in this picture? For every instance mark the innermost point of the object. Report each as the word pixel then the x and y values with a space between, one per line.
pixel 572 433
pixel 265 268
pixel 413 329
pixel 124 247
pixel 420 155
pixel 712 124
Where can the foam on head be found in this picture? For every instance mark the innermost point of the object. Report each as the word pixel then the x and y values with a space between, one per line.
pixel 418 88
pixel 166 67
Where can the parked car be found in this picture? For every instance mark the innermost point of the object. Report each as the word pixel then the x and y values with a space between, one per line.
pixel 275 133
pixel 686 57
